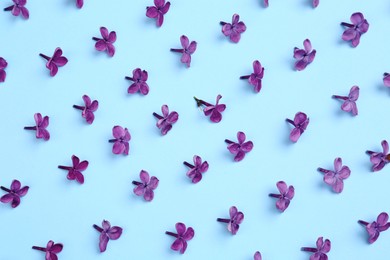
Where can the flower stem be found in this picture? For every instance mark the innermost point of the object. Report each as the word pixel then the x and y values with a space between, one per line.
pixel 129 78
pixel 369 152
pixel 39 248
pixel 347 24
pixel 385 74
pixel 136 182
pixel 340 97
pixel 64 167
pixel 363 222
pixel 44 56
pixel 5 189
pixel 112 140
pixel 188 165
pixel 170 233
pixel 95 39
pixel 157 115
pixel 97 228
pixel 9 8
pixel 177 50
pixel 290 121
pixel 222 23
pixel 309 249
pixel 78 107
pixel 322 170
pixel 272 195
pixel 224 220
pixel 245 77
pixel 228 141
pixel 30 128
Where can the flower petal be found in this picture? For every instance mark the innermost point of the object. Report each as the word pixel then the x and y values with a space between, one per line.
pixel 184 41
pixel 385 147
pixel 338 163
pixel 357 18
pixel 101 45
pixel 151 12
pixel 144 176
pixel 15 185
pixel 115 232
pixel 104 32
pixel 382 219
pixel 118 131
pixel 295 134
pixel 282 187
pixel 189 234
pixel 118 148
pixel 247 146
pixel 307 45
pixel 103 240
pixel 180 228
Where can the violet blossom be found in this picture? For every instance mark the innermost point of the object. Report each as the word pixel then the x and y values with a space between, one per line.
pixel 380 159
pixel 386 79
pixel 51 250
pixel 335 178
pixel 3 65
pixel 316 3
pixel 121 140
pixel 349 104
pixel 285 196
pixel 195 172
pixel 107 233
pixel 257 256
pixel 240 148
pixel 79 3
pixel 183 235
pixel 74 171
pixel 40 127
pixel 256 77
pixel 187 51
pixel 57 60
pixel 236 218
pixel 374 228
pixel 355 30
pixel 266 4
pixel 233 30
pixel 300 123
pixel 167 119
pixel 319 253
pixel 157 12
pixel 107 42
pixel 139 78
pixel 304 56
pixel 18 8
pixel 214 111
pixel 146 186
pixel 88 109
pixel 15 192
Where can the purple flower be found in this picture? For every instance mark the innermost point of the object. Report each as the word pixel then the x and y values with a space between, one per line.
pixel 14 193
pixel 233 30
pixel 167 119
pixel 158 11
pixel 107 233
pixel 240 148
pixel 316 3
pixel 255 78
pixel 139 78
pixel 386 79
pixel 374 228
pixel 214 111
pixel 74 172
pixel 349 104
pixel 320 252
pixel 88 109
pixel 379 159
pixel 358 27
pixel 79 3
pixel 196 170
pixel 304 56
pixel 300 123
pixel 107 43
pixel 57 60
pixel 40 128
pixel 335 178
pixel 183 235
pixel 3 65
pixel 18 8
pixel 51 250
pixel 266 4
pixel 257 256
pixel 187 51
pixel 285 196
pixel 121 141
pixel 236 218
pixel 146 187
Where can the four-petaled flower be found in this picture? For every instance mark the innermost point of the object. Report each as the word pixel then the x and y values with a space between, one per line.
pixel 3 65
pixel 107 43
pixel 214 111
pixel 285 196
pixel 187 51
pixel 79 3
pixel 51 250
pixel 257 256
pixel 374 228
pixel 316 3
pixel 300 123
pixel 349 104
pixel 74 172
pixel 380 159
pixel 167 119
pixel 88 109
pixel 256 77
pixel 158 11
pixel 183 235
pixel 386 79
pixel 240 148
pixel 18 8
pixel 323 247
pixel 139 78
pixel 40 128
pixel 358 27
pixel 14 193
pixel 146 187
pixel 107 233
pixel 335 178
pixel 195 172
pixel 236 218
pixel 233 30
pixel 121 141
pixel 304 56
pixel 57 60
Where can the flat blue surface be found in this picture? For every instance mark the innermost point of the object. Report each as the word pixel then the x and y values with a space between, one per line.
pixel 65 211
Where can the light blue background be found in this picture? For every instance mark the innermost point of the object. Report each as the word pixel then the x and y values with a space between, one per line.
pixel 65 211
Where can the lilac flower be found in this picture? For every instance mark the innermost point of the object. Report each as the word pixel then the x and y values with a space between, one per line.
pixel 40 128
pixel 139 78
pixel 257 256
pixel 14 193
pixel 374 228
pixel 386 79
pixel 187 51
pixel 88 109
pixel 18 8
pixel 240 148
pixel 349 104
pixel 316 3
pixel 285 196
pixel 107 233
pixel 107 43
pixel 335 178
pixel 214 111
pixel 236 218
pixel 79 3
pixel 183 235
pixel 300 123
pixel 158 11
pixel 57 60
pixel 379 159
pixel 355 30
pixel 304 56
pixel 51 250
pixel 266 4
pixel 233 30
pixel 320 252
pixel 3 65
pixel 255 78
pixel 166 121
pixel 74 172
pixel 146 187
pixel 195 172
pixel 121 141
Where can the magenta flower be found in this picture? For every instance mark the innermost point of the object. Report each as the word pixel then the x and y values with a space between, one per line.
pixel 187 51
pixel 3 65
pixel 355 30
pixel 236 218
pixel 379 159
pixel 316 3
pixel 74 172
pixel 79 3
pixel 386 79
pixel 40 128
pixel 15 192
pixel 57 60
pixel 157 12
pixel 214 111
pixel 349 104
pixel 88 109
pixel 51 250
pixel 139 78
pixel 257 256
pixel 146 187
pixel 304 56
pixel 18 8
pixel 240 148
pixel 183 235
pixel 167 119
pixel 107 42
pixel 107 233
pixel 320 252
pixel 121 141
pixel 374 228
pixel 233 30
pixel 266 4
pixel 195 172
pixel 335 178
pixel 285 196
pixel 300 123
pixel 255 78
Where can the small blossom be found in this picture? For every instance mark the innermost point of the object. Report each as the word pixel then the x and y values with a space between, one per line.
pixel 236 218
pixel 167 119
pixel 57 60
pixel 285 196
pixel 256 77
pixel 300 123
pixel 51 250
pixel 88 109
pixel 214 111
pixel 18 8
pixel 380 159
pixel 374 228
pixel 121 141
pixel 74 172
pixel 40 128
pixel 319 253
pixel 335 178
pixel 107 233
pixel 158 11
pixel 316 3
pixel 79 3
pixel 187 51
pixel 257 256
pixel 183 235
pixel 139 78
pixel 3 65
pixel 15 192
pixel 107 42
pixel 240 148
pixel 195 172
pixel 349 104
pixel 146 186
pixel 355 30
pixel 233 30
pixel 304 56
pixel 386 79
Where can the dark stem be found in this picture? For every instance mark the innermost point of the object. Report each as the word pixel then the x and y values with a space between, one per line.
pixel 177 50
pixel 272 195
pixel 171 234
pixel 78 107
pixel 129 78
pixel 112 140
pixel 222 23
pixel 9 8
pixel 97 228
pixel 224 220
pixel 5 189
pixel 64 167
pixel 39 248
pixel 136 182
pixel 290 121
pixel 44 56
pixel 363 222
pixel 322 170
pixel 369 152
pixel 309 249
pixel 30 127
pixel 385 74
pixel 347 24
pixel 96 39
pixel 245 77
pixel 157 115
pixel 189 165
pixel 340 97
pixel 228 141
